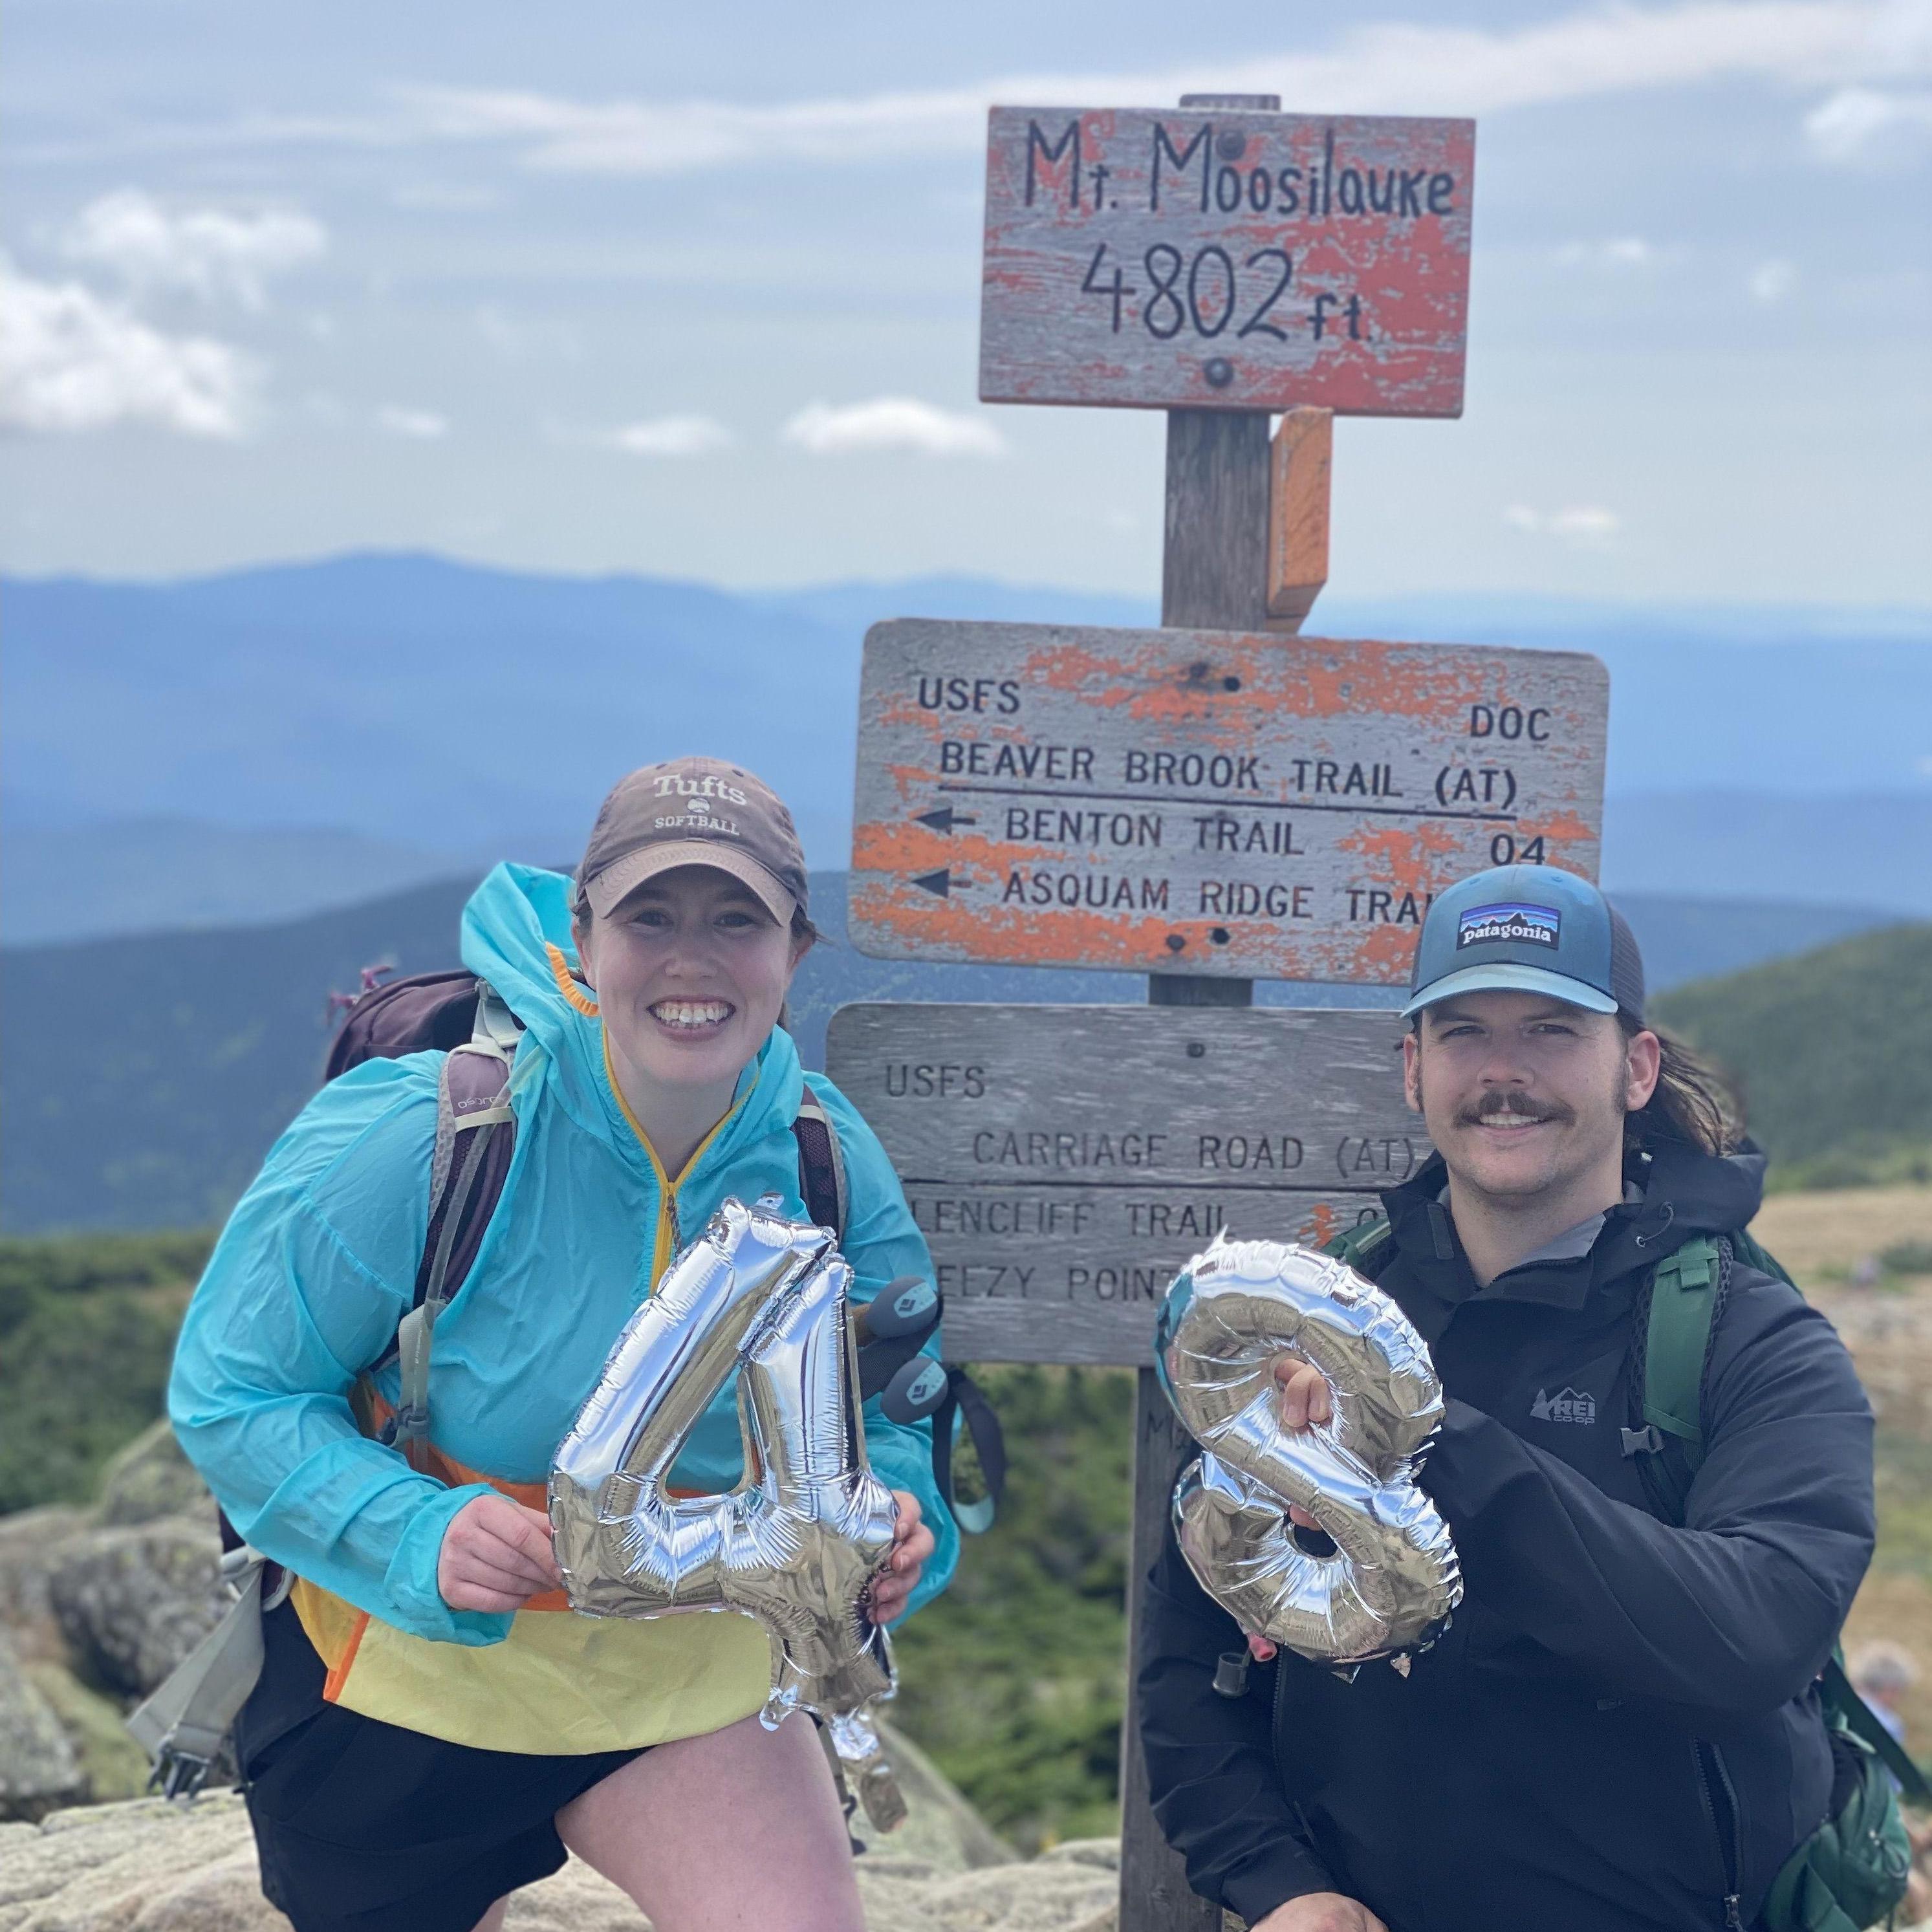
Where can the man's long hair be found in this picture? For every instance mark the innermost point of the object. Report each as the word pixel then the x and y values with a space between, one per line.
pixel 1694 1102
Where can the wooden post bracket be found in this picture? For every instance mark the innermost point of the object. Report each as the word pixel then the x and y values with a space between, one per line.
pixel 1297 536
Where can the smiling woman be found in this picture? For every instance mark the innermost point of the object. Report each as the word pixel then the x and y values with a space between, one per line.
pixel 426 1644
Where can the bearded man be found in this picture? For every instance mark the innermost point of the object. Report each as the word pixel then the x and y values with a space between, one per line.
pixel 1620 1731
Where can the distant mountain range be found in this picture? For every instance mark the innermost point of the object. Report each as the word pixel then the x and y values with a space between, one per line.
pixel 142 1079
pixel 467 711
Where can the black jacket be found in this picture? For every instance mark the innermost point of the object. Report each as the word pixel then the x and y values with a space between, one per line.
pixel 1539 1767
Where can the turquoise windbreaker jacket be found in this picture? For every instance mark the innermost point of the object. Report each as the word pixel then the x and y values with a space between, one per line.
pixel 317 1265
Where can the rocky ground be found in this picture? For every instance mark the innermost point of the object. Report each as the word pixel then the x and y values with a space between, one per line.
pixel 152 1867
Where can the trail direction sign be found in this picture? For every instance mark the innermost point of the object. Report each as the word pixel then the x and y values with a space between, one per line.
pixel 1233 259
pixel 1062 1162
pixel 1204 802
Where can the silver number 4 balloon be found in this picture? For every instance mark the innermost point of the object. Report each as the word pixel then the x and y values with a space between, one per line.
pixel 797 1544
pixel 1388 1589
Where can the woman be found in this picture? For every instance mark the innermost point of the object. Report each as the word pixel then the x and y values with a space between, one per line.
pixel 433 1726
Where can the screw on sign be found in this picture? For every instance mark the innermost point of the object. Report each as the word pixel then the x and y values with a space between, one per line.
pixel 1226 260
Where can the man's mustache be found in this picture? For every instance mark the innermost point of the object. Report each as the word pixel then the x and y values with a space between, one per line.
pixel 1498 1106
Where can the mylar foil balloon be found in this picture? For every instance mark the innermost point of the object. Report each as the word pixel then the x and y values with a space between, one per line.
pixel 798 1543
pixel 1388 1589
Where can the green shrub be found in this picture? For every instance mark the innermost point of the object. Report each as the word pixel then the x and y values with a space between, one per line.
pixel 1014 1679
pixel 1832 1051
pixel 87 1329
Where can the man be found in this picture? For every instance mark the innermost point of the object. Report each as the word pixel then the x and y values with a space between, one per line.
pixel 1620 1731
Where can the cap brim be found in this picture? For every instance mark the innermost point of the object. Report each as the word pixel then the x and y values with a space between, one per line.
pixel 622 877
pixel 1502 977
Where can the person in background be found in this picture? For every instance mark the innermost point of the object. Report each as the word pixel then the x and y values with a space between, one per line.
pixel 432 1726
pixel 1881 1673
pixel 1621 1730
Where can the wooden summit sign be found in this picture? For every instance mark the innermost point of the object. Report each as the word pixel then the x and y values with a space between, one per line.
pixel 1234 259
pixel 1204 802
pixel 1062 1162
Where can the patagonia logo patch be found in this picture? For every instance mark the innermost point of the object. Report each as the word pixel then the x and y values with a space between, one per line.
pixel 1521 924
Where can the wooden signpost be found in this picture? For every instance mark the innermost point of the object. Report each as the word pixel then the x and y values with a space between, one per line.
pixel 1207 803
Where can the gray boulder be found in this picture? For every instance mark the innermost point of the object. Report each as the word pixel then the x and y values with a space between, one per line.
pixel 940 1829
pixel 132 1602
pixel 150 1479
pixel 33 1544
pixel 116 1767
pixel 39 1772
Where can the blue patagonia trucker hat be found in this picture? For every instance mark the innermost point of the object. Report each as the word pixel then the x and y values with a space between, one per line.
pixel 1527 929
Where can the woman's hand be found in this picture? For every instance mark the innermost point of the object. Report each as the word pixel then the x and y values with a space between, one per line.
pixel 496 1556
pixel 912 1544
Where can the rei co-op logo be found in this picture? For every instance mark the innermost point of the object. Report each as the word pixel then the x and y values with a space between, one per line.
pixel 1520 925
pixel 1566 1405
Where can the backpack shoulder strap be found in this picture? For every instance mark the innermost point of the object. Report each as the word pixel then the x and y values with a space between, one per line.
pixel 1677 1319
pixel 1356 1248
pixel 476 1133
pixel 821 1164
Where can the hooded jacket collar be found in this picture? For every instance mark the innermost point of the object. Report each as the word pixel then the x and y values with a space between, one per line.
pixel 517 935
pixel 1680 1192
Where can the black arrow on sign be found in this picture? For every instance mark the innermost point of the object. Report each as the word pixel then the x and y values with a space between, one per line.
pixel 940 884
pixel 945 819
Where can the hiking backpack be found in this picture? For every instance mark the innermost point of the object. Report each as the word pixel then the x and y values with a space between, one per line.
pixel 1851 1873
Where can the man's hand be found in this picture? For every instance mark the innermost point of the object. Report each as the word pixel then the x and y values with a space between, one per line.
pixel 1320 1912
pixel 496 1556
pixel 1305 1400
pixel 912 1544
pixel 1306 1403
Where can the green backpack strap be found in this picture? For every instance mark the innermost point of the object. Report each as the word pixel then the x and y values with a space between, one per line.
pixel 1354 1248
pixel 1677 1343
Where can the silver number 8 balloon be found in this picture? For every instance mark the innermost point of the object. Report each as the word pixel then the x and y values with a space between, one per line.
pixel 798 1543
pixel 1388 1589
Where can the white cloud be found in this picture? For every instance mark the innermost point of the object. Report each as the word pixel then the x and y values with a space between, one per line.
pixel 670 435
pixel 1588 525
pixel 211 252
pixel 1772 281
pixel 891 423
pixel 417 425
pixel 70 361
pixel 1864 127
pixel 1624 251
pixel 1391 67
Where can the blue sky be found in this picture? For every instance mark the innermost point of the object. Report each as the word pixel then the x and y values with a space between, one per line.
pixel 694 292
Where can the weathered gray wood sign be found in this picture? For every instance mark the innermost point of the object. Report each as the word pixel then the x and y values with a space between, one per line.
pixel 1062 1162
pixel 1229 259
pixel 1248 806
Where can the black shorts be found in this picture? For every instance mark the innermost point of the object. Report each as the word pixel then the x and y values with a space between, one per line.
pixel 366 1827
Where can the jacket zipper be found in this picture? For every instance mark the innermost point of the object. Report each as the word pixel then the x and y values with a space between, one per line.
pixel 1730 1851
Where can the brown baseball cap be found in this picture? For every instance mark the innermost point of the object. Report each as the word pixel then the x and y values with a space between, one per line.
pixel 693 811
